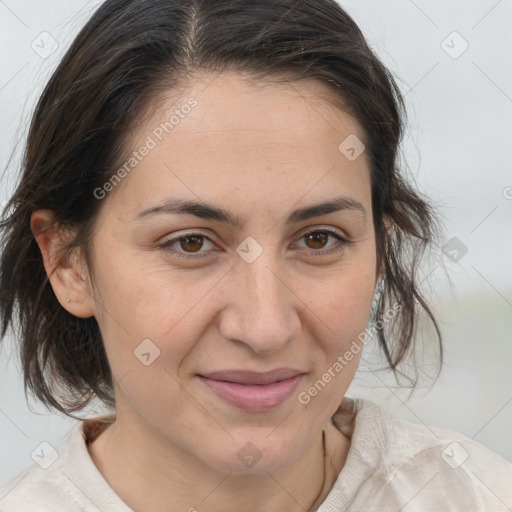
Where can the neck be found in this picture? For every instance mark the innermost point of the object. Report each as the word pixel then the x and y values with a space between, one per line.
pixel 148 477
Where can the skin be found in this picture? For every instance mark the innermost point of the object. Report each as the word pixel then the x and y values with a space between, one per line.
pixel 259 150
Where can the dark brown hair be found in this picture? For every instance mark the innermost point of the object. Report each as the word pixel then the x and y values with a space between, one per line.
pixel 128 55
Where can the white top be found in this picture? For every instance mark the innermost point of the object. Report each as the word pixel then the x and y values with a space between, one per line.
pixel 392 465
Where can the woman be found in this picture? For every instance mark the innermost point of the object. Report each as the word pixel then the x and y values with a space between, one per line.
pixel 208 218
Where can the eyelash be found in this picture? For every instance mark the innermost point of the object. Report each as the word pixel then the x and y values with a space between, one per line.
pixel 341 246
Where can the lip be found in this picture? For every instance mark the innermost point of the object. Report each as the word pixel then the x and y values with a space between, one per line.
pixel 253 391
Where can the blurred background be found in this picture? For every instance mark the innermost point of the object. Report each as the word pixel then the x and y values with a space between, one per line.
pixel 452 60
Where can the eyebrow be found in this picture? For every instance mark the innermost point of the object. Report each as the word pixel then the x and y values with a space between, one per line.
pixel 211 212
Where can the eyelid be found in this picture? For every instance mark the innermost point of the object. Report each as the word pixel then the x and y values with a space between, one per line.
pixel 320 227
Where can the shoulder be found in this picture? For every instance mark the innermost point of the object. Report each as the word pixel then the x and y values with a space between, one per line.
pixel 42 487
pixel 61 480
pixel 398 462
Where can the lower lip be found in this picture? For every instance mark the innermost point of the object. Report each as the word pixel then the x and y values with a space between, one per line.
pixel 253 398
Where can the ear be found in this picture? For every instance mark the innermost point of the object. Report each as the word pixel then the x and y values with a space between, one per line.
pixel 68 275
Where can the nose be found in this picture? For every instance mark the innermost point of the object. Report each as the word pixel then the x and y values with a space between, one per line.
pixel 260 309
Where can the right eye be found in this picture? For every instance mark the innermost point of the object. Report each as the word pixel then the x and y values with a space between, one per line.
pixel 190 243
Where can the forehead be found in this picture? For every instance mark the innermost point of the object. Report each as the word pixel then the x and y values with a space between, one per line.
pixel 225 134
pixel 238 101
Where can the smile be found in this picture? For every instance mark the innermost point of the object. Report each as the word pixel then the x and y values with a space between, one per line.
pixel 253 392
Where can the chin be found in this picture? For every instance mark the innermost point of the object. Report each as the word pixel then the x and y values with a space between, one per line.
pixel 262 455
pixel 260 464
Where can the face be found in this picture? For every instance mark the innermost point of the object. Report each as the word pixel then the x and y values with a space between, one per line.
pixel 196 307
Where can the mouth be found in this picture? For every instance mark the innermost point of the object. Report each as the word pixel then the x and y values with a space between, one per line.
pixel 253 391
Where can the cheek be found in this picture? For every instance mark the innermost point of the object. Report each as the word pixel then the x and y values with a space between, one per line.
pixel 347 301
pixel 342 301
pixel 344 308
pixel 338 337
pixel 142 301
pixel 140 296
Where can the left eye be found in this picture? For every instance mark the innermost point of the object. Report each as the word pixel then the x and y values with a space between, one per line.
pixel 318 237
pixel 192 243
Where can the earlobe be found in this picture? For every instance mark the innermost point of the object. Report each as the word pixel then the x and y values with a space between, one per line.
pixel 66 272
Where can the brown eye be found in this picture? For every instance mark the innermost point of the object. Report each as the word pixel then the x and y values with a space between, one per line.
pixel 317 239
pixel 191 243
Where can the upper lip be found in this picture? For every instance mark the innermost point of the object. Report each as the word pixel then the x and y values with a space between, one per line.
pixel 253 377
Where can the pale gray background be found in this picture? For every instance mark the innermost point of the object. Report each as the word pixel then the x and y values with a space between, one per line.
pixel 458 147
